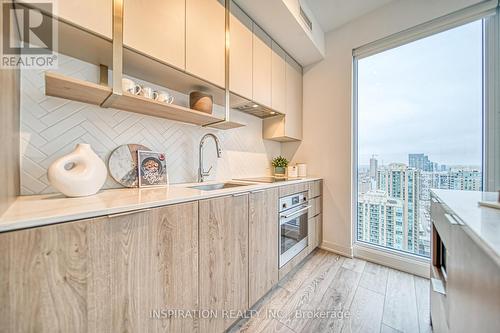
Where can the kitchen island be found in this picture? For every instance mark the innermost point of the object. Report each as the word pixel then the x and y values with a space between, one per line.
pixel 465 270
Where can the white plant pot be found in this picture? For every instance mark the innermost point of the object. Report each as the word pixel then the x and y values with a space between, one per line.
pixel 80 173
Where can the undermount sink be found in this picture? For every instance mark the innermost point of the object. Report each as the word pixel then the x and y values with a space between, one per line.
pixel 218 186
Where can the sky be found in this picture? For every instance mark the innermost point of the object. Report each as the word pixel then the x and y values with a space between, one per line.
pixel 423 97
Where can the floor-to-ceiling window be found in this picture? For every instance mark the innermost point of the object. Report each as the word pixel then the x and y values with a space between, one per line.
pixel 419 112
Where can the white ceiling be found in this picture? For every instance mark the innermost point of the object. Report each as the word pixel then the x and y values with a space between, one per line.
pixel 331 14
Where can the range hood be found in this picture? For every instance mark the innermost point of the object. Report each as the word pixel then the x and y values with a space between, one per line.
pixel 255 110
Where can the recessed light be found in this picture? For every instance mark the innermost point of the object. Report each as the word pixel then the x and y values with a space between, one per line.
pixel 272 112
pixel 255 106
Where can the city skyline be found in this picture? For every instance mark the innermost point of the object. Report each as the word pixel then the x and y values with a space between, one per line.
pixel 382 162
pixel 394 200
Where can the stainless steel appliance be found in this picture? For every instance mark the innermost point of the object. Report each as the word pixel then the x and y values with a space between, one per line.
pixel 293 211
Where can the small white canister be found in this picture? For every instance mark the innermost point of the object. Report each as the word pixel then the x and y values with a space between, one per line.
pixel 293 171
pixel 302 169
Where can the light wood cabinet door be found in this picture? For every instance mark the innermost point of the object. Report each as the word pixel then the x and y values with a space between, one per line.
pixel 315 189
pixel 319 229
pixel 278 79
pixel 156 28
pixel 240 56
pixel 151 259
pixel 45 280
pixel 223 259
pixel 263 243
pixel 102 275
pixel 262 58
pixel 205 39
pixel 92 15
pixel 293 119
pixel 311 234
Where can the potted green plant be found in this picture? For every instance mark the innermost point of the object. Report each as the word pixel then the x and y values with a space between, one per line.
pixel 279 163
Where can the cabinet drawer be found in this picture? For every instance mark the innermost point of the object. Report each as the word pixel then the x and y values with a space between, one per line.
pixel 315 188
pixel 316 205
pixel 293 189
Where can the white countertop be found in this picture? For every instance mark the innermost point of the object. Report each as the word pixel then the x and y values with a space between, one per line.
pixel 481 223
pixel 39 210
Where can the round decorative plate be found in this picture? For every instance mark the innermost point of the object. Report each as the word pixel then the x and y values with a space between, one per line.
pixel 122 164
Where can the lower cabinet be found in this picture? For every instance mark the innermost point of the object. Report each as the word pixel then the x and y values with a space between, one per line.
pixel 314 233
pixel 120 273
pixel 464 293
pixel 473 286
pixel 263 243
pixel 223 281
pixel 109 274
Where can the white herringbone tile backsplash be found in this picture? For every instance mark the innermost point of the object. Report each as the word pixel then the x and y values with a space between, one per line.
pixel 51 127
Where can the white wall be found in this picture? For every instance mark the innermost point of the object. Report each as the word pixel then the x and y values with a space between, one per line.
pixel 327 107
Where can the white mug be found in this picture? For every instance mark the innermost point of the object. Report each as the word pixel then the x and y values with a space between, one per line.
pixel 130 86
pixel 165 97
pixel 148 93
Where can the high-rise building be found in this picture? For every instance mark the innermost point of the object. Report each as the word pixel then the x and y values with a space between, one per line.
pixel 464 179
pixel 380 219
pixel 403 183
pixel 373 167
pixel 421 162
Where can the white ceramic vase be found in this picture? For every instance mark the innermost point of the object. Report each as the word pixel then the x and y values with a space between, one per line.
pixel 79 173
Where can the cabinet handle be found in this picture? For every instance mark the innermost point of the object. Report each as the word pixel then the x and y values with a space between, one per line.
pixel 451 219
pixel 257 191
pixel 239 194
pixel 438 286
pixel 130 212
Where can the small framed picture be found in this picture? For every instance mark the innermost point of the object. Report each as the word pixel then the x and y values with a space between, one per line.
pixel 152 168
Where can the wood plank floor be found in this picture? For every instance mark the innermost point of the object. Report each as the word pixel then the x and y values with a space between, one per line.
pixel 331 293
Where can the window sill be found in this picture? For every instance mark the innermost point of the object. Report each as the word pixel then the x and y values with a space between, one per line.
pixel 405 262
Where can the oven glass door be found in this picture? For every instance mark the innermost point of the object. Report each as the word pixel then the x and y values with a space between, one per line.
pixel 293 236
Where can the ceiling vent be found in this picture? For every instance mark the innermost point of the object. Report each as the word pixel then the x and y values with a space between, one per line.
pixel 306 19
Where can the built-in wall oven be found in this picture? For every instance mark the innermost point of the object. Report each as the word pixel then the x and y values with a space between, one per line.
pixel 293 226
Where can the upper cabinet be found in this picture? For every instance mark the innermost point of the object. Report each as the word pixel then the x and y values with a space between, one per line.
pixel 91 15
pixel 240 56
pixel 190 36
pixel 293 123
pixel 205 40
pixel 288 127
pixel 278 79
pixel 156 28
pixel 262 57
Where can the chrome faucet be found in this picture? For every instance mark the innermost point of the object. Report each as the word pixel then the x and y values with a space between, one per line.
pixel 201 172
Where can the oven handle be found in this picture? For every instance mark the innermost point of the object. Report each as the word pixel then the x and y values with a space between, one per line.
pixel 295 213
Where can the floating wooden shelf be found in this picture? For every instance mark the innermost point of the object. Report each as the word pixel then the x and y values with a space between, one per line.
pixel 58 85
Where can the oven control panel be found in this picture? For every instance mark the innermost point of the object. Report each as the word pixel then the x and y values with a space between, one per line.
pixel 292 201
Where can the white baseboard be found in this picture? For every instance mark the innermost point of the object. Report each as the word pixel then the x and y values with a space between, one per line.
pixel 335 248
pixel 400 262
